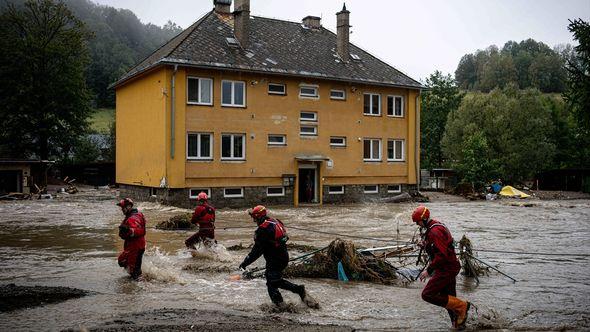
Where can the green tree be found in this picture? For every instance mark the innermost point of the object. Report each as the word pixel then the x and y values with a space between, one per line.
pixel 478 165
pixel 44 102
pixel 498 72
pixel 578 91
pixel 528 63
pixel 509 130
pixel 442 97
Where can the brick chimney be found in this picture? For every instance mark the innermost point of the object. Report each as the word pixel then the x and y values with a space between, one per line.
pixel 312 22
pixel 222 6
pixel 242 22
pixel 342 32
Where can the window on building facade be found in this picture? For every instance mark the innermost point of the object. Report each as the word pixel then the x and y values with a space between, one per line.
pixel 336 190
pixel 371 189
pixel 372 149
pixel 337 141
pixel 233 192
pixel 275 191
pixel 308 130
pixel 233 147
pixel 277 139
pixel 276 89
pixel 395 106
pixel 200 91
pixel 337 94
pixel 199 146
pixel 372 104
pixel 395 150
pixel 308 116
pixel 194 192
pixel 308 91
pixel 233 93
pixel 394 188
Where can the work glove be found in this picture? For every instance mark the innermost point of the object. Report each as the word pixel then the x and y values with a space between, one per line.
pixel 242 267
pixel 124 232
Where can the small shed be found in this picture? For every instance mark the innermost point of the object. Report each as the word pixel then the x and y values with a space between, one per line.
pixel 21 175
pixel 438 179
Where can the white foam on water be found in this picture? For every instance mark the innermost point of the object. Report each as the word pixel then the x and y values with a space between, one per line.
pixel 158 266
pixel 153 206
pixel 483 317
pixel 211 250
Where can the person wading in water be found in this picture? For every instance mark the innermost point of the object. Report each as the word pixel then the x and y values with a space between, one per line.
pixel 132 230
pixel 442 268
pixel 270 240
pixel 204 216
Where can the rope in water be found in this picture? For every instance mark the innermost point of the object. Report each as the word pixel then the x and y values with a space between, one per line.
pixel 533 253
pixel 347 235
pixel 409 242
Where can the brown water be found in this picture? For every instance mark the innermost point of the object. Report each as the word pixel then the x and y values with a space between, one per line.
pixel 72 241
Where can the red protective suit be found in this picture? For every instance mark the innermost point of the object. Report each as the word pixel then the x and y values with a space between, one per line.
pixel 132 230
pixel 204 216
pixel 444 265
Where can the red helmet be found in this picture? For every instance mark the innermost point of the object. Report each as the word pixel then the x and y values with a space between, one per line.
pixel 125 202
pixel 421 213
pixel 258 212
pixel 202 196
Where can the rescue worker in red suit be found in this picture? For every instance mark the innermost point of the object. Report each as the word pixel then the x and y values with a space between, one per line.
pixel 442 268
pixel 270 240
pixel 132 230
pixel 204 216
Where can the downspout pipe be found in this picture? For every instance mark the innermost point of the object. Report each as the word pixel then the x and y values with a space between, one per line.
pixel 417 145
pixel 173 112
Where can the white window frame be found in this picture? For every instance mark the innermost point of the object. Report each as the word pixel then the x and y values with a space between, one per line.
pixel 335 192
pixel 376 191
pixel 338 98
pixel 343 144
pixel 199 156
pixel 240 195
pixel 394 191
pixel 275 92
pixel 370 94
pixel 371 147
pixel 313 119
pixel 233 97
pixel 275 195
pixel 392 140
pixel 199 102
pixel 309 96
pixel 232 147
pixel 315 130
pixel 283 143
pixel 393 115
pixel 205 190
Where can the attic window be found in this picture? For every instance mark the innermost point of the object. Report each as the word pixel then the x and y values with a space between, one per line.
pixel 231 41
pixel 271 61
pixel 355 57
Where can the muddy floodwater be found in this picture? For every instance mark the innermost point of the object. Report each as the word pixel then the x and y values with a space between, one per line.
pixel 72 241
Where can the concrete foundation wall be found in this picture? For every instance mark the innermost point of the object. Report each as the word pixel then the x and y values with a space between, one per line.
pixel 253 196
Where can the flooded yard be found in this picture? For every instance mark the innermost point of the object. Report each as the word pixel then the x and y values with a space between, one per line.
pixel 72 242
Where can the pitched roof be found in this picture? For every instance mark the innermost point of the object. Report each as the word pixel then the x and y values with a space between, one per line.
pixel 276 47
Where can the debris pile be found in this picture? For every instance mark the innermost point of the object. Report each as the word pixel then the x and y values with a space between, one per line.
pixel 471 267
pixel 182 221
pixel 70 187
pixel 357 266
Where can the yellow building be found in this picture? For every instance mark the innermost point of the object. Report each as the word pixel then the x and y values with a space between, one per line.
pixel 256 110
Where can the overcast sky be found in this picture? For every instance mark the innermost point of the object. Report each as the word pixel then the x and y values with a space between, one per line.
pixel 417 37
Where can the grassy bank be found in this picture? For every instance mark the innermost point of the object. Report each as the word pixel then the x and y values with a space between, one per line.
pixel 102 119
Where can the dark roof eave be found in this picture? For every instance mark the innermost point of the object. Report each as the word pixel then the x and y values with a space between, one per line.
pixel 223 66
